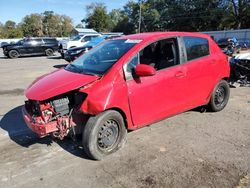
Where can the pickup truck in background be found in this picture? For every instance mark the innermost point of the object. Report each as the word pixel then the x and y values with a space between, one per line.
pixel 77 41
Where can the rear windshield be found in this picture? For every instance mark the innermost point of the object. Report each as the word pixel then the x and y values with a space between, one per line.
pixel 98 60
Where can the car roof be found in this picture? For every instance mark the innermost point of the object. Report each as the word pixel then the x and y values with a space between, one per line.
pixel 155 35
pixel 33 38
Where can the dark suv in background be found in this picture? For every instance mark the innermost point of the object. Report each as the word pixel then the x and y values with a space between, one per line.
pixel 31 46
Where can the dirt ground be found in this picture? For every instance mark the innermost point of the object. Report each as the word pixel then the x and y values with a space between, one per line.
pixel 192 149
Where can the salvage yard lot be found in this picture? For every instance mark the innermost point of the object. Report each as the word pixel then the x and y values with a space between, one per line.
pixel 192 149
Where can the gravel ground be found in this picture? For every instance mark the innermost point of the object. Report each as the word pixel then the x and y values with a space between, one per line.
pixel 191 149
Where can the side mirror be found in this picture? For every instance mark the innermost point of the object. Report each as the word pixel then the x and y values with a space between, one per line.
pixel 142 70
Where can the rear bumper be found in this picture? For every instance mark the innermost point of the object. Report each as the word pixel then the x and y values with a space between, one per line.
pixel 40 129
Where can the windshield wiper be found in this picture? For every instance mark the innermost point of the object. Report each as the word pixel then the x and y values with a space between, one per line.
pixel 91 73
pixel 74 68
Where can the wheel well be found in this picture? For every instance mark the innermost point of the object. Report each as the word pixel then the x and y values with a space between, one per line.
pixel 226 79
pixel 122 113
pixel 13 49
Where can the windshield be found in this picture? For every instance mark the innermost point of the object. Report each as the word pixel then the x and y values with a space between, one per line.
pixel 20 42
pixel 98 60
pixel 78 37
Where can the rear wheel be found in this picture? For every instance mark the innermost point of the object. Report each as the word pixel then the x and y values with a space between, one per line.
pixel 104 134
pixel 220 96
pixel 13 54
pixel 49 52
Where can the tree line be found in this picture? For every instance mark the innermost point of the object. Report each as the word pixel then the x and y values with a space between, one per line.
pixel 169 15
pixel 139 15
pixel 38 25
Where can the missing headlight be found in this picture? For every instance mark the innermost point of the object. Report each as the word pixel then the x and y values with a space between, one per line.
pixel 61 105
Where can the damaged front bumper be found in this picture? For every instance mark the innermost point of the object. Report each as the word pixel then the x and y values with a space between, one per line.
pixel 41 130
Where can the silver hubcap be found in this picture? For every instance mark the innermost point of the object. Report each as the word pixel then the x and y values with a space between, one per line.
pixel 107 135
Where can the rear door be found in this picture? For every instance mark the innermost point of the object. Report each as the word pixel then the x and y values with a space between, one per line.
pixel 27 47
pixel 38 46
pixel 200 70
pixel 50 43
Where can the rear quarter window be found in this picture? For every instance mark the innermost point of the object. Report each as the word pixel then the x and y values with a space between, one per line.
pixel 196 47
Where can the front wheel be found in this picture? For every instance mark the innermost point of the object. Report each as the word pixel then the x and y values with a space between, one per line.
pixel 49 52
pixel 13 54
pixel 104 134
pixel 220 96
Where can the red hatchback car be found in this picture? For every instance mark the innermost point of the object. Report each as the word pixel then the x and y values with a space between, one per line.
pixel 127 83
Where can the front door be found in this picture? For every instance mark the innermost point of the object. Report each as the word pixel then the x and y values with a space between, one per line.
pixel 27 47
pixel 156 97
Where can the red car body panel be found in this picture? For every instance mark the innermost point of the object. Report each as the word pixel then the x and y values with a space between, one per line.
pixel 56 83
pixel 106 94
pixel 40 129
pixel 146 99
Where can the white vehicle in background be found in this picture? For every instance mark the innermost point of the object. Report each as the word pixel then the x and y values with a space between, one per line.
pixel 77 41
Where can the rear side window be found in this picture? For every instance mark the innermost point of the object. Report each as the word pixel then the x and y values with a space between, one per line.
pixel 50 41
pixel 33 42
pixel 38 41
pixel 196 47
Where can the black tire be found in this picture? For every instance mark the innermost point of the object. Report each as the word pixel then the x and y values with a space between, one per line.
pixel 220 96
pixel 49 52
pixel 13 54
pixel 104 134
pixel 62 55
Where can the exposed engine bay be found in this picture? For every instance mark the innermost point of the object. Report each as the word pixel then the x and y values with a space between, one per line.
pixel 58 110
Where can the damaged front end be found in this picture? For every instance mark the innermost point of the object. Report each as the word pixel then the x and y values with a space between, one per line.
pixel 240 70
pixel 53 116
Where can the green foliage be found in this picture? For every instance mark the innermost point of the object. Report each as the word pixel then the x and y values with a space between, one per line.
pixel 156 15
pixel 66 25
pixel 98 17
pixel 164 15
pixel 10 30
pixel 56 25
pixel 79 26
pixel 1 31
pixel 32 25
pixel 38 25
pixel 237 14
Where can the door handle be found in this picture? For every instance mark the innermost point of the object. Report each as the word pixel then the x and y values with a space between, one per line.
pixel 180 74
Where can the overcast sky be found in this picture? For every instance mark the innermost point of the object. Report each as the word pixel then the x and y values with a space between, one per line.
pixel 16 9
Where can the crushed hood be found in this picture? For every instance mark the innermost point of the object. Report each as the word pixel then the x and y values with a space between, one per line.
pixel 56 83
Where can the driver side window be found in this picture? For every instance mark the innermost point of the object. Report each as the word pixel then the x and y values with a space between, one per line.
pixel 27 42
pixel 130 66
pixel 86 39
pixel 161 54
